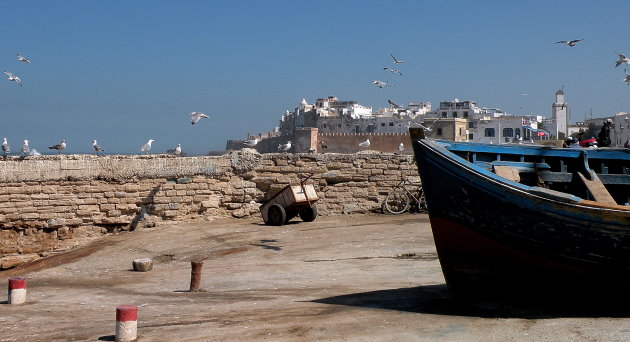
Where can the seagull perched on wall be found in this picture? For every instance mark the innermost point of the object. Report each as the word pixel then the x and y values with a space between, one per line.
pixel 381 84
pixel 59 147
pixel 323 144
pixel 284 147
pixel 622 59
pixel 251 142
pixel 391 103
pixel 627 79
pixel 393 71
pixel 569 42
pixel 178 150
pixel 401 148
pixel 196 116
pixel 5 146
pixel 13 78
pixel 365 143
pixel 21 58
pixel 396 61
pixel 97 148
pixel 25 148
pixel 146 147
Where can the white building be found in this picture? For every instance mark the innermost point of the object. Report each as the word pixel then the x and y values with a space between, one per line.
pixel 559 110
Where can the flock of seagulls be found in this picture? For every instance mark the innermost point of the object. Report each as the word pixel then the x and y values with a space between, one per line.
pixel 622 58
pixel 382 84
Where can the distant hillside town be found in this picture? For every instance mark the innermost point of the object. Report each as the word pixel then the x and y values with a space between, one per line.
pixel 333 125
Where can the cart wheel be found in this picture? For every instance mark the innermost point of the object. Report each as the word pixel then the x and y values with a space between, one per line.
pixel 309 214
pixel 277 215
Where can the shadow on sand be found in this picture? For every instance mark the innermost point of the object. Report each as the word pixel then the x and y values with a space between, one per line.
pixel 438 300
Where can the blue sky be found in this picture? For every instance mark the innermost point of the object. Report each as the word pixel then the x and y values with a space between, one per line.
pixel 122 72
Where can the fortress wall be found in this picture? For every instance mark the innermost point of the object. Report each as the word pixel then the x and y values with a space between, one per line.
pixel 52 203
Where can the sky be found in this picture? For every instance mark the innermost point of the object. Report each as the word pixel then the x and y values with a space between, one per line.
pixel 123 72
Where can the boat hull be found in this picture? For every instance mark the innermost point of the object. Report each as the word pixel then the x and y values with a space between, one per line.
pixel 491 233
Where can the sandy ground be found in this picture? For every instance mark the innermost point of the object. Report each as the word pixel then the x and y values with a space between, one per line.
pixel 351 278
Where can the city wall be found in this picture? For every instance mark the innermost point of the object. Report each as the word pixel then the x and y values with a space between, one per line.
pixel 52 203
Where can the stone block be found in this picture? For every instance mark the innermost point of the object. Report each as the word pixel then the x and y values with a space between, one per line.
pixel 64 233
pixel 142 265
pixel 114 213
pixel 16 260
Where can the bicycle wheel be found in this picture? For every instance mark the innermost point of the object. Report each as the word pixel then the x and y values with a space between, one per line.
pixel 397 201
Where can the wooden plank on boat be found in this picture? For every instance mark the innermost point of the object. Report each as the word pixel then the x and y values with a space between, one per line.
pixel 507 172
pixel 597 189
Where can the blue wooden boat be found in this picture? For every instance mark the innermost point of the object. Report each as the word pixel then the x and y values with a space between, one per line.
pixel 514 216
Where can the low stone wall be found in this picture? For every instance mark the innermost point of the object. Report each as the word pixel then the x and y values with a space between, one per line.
pixel 54 202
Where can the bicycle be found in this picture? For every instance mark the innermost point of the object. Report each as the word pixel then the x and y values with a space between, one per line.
pixel 400 199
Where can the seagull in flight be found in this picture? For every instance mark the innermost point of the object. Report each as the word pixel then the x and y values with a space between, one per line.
pixel 381 84
pixel 627 79
pixel 391 103
pixel 25 148
pixel 251 142
pixel 178 150
pixel 146 147
pixel 622 59
pixel 569 42
pixel 13 78
pixel 21 58
pixel 5 147
pixel 284 147
pixel 393 71
pixel 97 148
pixel 365 143
pixel 59 147
pixel 196 116
pixel 396 61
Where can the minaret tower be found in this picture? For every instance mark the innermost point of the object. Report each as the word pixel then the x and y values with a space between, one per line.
pixel 559 114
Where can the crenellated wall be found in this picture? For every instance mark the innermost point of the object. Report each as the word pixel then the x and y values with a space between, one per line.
pixel 50 203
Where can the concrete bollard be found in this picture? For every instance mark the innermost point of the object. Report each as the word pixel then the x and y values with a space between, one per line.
pixel 17 290
pixel 195 275
pixel 143 265
pixel 126 323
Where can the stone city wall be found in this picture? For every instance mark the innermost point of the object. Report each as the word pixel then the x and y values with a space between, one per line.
pixel 50 203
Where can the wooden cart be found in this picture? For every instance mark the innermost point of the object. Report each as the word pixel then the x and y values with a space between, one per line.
pixel 289 202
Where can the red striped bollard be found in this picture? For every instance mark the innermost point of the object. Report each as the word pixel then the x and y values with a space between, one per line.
pixel 17 290
pixel 126 323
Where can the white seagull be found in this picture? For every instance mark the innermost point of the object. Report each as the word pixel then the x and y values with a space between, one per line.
pixel 146 147
pixel 569 42
pixel 178 150
pixel 97 148
pixel 251 142
pixel 323 144
pixel 396 61
pixel 21 58
pixel 59 147
pixel 284 147
pixel 627 79
pixel 393 71
pixel 394 105
pixel 365 143
pixel 13 78
pixel 25 148
pixel 401 147
pixel 622 59
pixel 381 84
pixel 5 146
pixel 196 116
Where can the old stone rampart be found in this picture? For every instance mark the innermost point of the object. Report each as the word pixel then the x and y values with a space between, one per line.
pixel 51 202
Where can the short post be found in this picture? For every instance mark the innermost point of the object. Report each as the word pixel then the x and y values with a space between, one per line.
pixel 17 291
pixel 195 275
pixel 142 265
pixel 126 323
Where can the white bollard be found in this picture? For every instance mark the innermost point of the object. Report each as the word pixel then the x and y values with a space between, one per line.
pixel 17 290
pixel 126 323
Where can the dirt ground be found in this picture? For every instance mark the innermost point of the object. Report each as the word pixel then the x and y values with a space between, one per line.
pixel 350 278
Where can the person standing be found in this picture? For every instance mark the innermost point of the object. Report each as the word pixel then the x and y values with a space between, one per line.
pixel 603 138
pixel 627 144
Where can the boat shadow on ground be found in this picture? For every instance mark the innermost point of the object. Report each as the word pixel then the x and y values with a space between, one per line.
pixel 438 300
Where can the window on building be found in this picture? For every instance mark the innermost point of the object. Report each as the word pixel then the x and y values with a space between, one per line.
pixel 508 132
pixel 517 132
pixel 444 114
pixel 460 131
pixel 471 124
pixel 470 136
pixel 391 124
pixel 465 115
pixel 382 124
pixel 439 131
pixel 454 114
pixel 324 125
pixel 489 132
